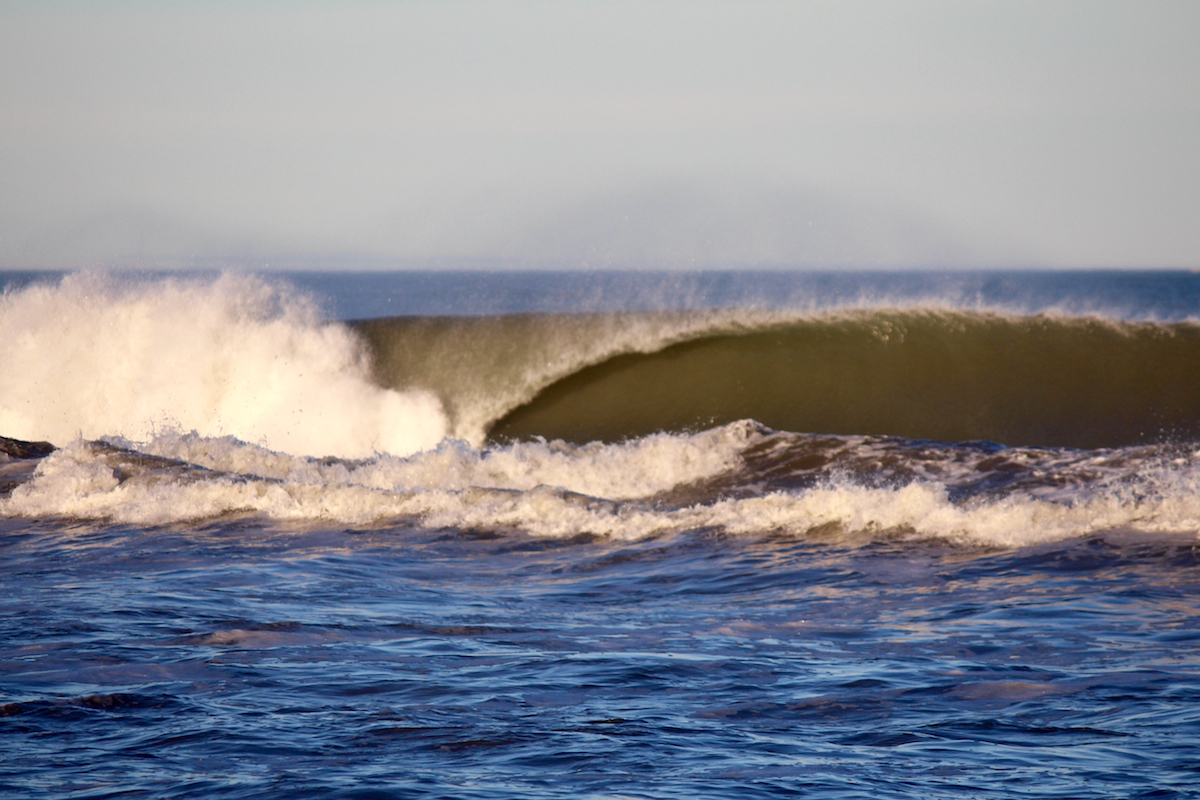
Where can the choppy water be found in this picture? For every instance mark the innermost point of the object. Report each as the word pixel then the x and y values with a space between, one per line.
pixel 724 612
pixel 235 659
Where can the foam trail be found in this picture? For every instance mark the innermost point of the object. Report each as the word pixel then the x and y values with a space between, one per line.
pixel 231 355
pixel 539 485
pixel 621 491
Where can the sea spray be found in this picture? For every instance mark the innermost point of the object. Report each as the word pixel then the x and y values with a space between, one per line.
pixel 233 355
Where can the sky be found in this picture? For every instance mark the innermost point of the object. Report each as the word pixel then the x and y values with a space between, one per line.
pixel 460 133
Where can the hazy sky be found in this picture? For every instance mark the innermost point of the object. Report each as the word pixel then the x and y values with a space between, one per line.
pixel 884 133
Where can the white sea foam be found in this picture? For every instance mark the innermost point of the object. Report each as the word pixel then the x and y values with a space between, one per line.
pixel 232 355
pixel 557 490
pixel 635 469
pixel 102 481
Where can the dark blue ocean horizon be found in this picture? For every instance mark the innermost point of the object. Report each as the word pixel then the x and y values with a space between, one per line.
pixel 1167 294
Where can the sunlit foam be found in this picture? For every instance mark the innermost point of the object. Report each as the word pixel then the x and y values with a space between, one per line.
pixel 556 490
pixel 234 355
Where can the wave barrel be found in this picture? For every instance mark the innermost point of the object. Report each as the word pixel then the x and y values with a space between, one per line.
pixel 949 376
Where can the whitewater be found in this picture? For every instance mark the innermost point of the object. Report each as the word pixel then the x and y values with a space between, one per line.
pixel 576 534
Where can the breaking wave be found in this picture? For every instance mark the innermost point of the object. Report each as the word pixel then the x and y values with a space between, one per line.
pixel 94 356
pixel 175 400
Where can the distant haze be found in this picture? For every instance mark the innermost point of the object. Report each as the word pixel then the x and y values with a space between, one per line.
pixel 600 134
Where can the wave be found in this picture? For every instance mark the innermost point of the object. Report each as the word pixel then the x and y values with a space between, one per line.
pixel 177 400
pixel 235 355
pixel 938 374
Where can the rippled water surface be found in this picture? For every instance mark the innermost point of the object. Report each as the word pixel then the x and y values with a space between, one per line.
pixel 244 659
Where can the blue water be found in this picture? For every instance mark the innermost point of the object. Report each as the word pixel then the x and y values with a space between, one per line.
pixel 245 657
pixel 242 660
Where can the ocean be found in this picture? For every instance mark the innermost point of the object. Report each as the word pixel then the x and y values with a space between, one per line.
pixel 600 535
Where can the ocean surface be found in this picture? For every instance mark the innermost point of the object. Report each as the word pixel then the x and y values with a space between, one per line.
pixel 600 535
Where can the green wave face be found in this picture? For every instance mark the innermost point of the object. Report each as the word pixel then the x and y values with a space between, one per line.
pixel 1040 381
pixel 950 376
